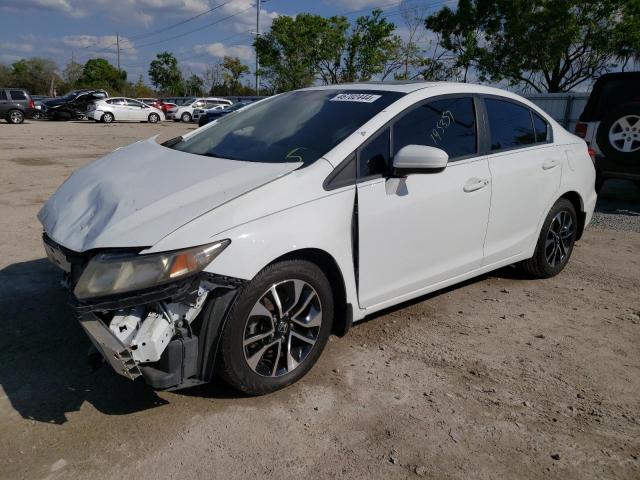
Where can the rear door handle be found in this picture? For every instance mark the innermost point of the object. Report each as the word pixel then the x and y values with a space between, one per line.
pixel 548 165
pixel 474 184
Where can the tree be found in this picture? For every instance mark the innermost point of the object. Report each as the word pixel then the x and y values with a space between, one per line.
pixel 164 72
pixel 72 73
pixel 140 90
pixel 193 85
pixel 233 69
pixel 6 79
pixel 34 74
pixel 213 78
pixel 99 73
pixel 288 53
pixel 367 47
pixel 298 51
pixel 540 45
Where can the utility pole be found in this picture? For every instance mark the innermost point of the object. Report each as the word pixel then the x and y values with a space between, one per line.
pixel 257 35
pixel 118 47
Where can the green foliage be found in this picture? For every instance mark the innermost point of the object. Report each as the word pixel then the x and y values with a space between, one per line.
pixel 193 86
pixel 366 47
pixel 232 70
pixel 99 73
pixel 140 90
pixel 297 51
pixel 37 75
pixel 164 73
pixel 541 45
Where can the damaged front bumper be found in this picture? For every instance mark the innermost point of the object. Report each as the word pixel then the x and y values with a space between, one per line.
pixel 166 336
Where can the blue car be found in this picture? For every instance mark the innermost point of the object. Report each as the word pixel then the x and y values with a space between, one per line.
pixel 211 115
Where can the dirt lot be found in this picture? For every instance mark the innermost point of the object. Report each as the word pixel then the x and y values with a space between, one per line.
pixel 501 377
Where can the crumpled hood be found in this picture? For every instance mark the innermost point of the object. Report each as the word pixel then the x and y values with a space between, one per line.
pixel 136 195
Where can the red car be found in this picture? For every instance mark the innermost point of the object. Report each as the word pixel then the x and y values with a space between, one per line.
pixel 155 102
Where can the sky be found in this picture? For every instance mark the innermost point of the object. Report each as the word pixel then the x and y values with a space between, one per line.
pixel 198 32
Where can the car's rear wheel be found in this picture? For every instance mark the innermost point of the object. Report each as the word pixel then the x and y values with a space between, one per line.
pixel 185 117
pixel 107 118
pixel 15 117
pixel 154 118
pixel 555 243
pixel 277 328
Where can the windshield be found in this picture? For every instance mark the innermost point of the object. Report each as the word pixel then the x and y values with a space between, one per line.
pixel 298 126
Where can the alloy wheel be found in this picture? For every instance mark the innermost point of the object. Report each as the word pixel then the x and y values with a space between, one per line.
pixel 559 238
pixel 624 134
pixel 15 116
pixel 282 328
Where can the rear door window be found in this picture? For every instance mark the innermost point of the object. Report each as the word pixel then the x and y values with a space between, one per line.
pixel 3 95
pixel 17 95
pixel 510 124
pixel 449 124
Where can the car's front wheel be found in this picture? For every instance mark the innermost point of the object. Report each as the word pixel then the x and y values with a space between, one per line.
pixel 186 117
pixel 555 242
pixel 277 328
pixel 108 117
pixel 154 118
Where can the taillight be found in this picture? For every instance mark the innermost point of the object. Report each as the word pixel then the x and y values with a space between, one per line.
pixel 581 130
pixel 592 154
pixel 32 104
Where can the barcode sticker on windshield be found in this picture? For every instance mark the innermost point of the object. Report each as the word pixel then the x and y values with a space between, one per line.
pixel 355 97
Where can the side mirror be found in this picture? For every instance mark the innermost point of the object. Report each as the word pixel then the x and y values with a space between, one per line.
pixel 420 158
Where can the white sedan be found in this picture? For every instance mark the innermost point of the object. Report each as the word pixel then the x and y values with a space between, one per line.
pixel 123 109
pixel 186 112
pixel 236 250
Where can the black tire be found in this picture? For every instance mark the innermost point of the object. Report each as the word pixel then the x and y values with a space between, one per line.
pixel 232 363
pixel 15 117
pixel 602 135
pixel 637 183
pixel 154 118
pixel 185 117
pixel 599 183
pixel 539 265
pixel 107 117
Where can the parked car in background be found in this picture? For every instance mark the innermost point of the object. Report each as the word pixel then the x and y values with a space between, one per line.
pixel 184 113
pixel 153 102
pixel 123 109
pixel 38 99
pixel 237 250
pixel 198 112
pixel 73 105
pixel 610 124
pixel 167 107
pixel 15 105
pixel 209 115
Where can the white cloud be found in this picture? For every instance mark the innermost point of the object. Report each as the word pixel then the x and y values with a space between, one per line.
pixel 358 4
pixel 220 50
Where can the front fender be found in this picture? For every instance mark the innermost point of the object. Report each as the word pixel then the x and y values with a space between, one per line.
pixel 323 224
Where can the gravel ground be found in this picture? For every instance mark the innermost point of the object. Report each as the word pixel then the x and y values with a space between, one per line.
pixel 500 377
pixel 618 207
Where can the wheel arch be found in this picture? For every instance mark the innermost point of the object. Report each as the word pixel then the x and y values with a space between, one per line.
pixel 578 204
pixel 343 312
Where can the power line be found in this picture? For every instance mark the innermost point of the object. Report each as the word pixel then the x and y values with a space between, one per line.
pixel 184 34
pixel 187 20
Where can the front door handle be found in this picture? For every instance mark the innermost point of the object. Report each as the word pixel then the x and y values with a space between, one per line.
pixel 474 184
pixel 549 164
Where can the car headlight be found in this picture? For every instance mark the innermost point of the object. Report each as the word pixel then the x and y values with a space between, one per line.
pixel 113 273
